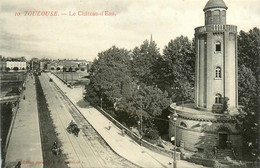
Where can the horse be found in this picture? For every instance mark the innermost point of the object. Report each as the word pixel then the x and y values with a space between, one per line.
pixel 73 128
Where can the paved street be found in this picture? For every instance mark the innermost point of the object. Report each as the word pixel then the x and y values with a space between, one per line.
pixel 25 142
pixel 107 148
pixel 86 150
pixel 123 145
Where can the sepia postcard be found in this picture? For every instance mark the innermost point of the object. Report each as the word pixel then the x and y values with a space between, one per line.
pixel 129 83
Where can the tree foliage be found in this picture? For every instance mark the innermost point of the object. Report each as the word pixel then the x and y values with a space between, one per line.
pixel 114 79
pixel 147 100
pixel 144 60
pixel 248 64
pixel 109 71
pixel 249 49
pixel 177 67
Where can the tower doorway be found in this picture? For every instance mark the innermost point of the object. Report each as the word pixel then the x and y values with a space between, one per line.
pixel 223 137
pixel 222 140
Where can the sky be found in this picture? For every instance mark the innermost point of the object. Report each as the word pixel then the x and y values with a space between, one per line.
pixel 83 37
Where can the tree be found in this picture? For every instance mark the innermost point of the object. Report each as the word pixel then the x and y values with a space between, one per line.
pixel 108 73
pixel 112 80
pixel 177 68
pixel 248 91
pixel 144 59
pixel 148 100
pixel 249 49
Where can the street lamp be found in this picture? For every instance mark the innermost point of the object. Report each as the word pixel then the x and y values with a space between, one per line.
pixel 141 120
pixel 101 102
pixel 141 117
pixel 175 115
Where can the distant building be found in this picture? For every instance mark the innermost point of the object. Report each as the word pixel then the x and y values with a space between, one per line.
pixel 70 66
pixel 2 63
pixel 42 64
pixel 67 65
pixel 16 65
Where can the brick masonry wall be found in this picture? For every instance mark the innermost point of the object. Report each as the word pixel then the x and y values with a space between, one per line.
pixel 203 135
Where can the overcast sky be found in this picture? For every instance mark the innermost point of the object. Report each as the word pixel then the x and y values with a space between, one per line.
pixel 83 37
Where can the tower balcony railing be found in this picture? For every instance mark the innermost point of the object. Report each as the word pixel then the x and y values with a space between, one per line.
pixel 211 28
pixel 188 111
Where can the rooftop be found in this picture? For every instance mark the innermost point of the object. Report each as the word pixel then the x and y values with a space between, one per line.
pixel 215 4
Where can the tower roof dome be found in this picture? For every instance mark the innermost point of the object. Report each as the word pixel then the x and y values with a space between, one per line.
pixel 215 4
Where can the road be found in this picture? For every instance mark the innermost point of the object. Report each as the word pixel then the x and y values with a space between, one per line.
pixel 86 150
pixel 25 140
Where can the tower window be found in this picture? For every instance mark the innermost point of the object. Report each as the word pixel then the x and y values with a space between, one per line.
pixel 216 19
pixel 218 46
pixel 224 13
pixel 218 98
pixel 218 72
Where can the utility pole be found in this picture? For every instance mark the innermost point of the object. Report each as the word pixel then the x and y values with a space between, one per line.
pixel 175 139
pixel 141 116
pixel 71 78
pixel 141 120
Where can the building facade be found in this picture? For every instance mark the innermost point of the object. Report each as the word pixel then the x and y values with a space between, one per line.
pixel 18 65
pixel 216 61
pixel 209 124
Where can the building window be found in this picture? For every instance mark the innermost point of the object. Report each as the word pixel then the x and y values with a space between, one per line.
pixel 183 124
pixel 209 17
pixel 216 12
pixel 218 98
pixel 216 15
pixel 218 46
pixel 224 13
pixel 218 72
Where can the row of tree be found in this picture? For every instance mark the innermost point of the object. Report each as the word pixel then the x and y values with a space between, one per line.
pixel 128 83
pixel 142 81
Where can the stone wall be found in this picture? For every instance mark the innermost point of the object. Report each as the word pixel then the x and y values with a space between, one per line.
pixel 203 135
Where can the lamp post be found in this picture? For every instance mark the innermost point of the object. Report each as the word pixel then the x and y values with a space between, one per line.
pixel 141 120
pixel 141 117
pixel 63 73
pixel 101 102
pixel 175 115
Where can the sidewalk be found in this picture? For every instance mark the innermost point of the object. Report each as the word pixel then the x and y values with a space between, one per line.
pixel 25 141
pixel 122 145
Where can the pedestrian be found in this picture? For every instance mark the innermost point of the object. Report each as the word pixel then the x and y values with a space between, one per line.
pixel 18 165
pixel 109 126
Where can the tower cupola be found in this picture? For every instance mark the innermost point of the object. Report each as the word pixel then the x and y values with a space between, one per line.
pixel 215 12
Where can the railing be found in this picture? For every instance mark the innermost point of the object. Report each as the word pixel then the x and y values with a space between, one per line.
pixel 210 28
pixel 138 139
pixel 195 114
